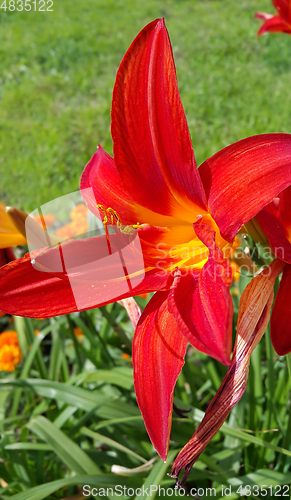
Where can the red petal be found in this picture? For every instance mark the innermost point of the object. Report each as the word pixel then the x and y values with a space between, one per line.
pixel 202 304
pixel 242 178
pixel 283 8
pixel 93 278
pixel 281 316
pixel 253 316
pixel 263 16
pixel 152 145
pixel 275 233
pixel 6 255
pixel 275 25
pixel 285 210
pixel 101 175
pixel 158 356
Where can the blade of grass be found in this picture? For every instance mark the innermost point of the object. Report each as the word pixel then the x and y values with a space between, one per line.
pixel 38 355
pixel 121 376
pixel 113 421
pixel 68 451
pixel 155 476
pixel 75 396
pixel 104 480
pixel 29 446
pixel 110 442
pixel 56 355
pixel 27 365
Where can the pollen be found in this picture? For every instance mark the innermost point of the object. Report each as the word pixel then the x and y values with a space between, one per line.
pixel 109 215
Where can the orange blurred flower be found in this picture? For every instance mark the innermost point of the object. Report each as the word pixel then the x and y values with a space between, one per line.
pixel 124 355
pixel 10 353
pixel 79 334
pixel 80 211
pixel 49 219
pixel 78 225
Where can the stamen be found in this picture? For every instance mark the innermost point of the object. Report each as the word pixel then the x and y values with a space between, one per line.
pixel 109 215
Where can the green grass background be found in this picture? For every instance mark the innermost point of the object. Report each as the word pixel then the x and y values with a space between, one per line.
pixel 58 68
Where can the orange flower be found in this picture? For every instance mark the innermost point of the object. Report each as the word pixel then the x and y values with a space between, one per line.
pixel 79 334
pixel 124 355
pixel 78 225
pixel 79 212
pixel 49 219
pixel 10 353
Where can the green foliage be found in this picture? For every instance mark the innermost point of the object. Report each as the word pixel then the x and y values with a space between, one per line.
pixel 57 72
pixel 80 425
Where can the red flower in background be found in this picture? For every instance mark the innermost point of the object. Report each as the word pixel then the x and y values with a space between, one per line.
pixel 278 23
pixel 189 219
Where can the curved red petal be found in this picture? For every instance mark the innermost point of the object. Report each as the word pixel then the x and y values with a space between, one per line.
pixel 81 276
pixel 283 7
pixel 281 316
pixel 284 206
pixel 158 353
pixel 202 303
pixel 6 255
pixel 275 233
pixel 242 178
pixel 275 24
pixel 101 175
pixel 263 16
pixel 152 145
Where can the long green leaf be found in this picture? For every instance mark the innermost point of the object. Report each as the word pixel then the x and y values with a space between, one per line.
pixel 121 376
pixel 28 446
pixel 155 477
pixel 75 396
pixel 110 442
pixel 68 451
pixel 98 481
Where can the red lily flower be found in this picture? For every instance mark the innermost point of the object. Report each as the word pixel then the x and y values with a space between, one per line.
pixel 188 218
pixel 279 23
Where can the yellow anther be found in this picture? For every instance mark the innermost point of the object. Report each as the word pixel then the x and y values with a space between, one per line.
pixel 137 225
pixel 109 215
